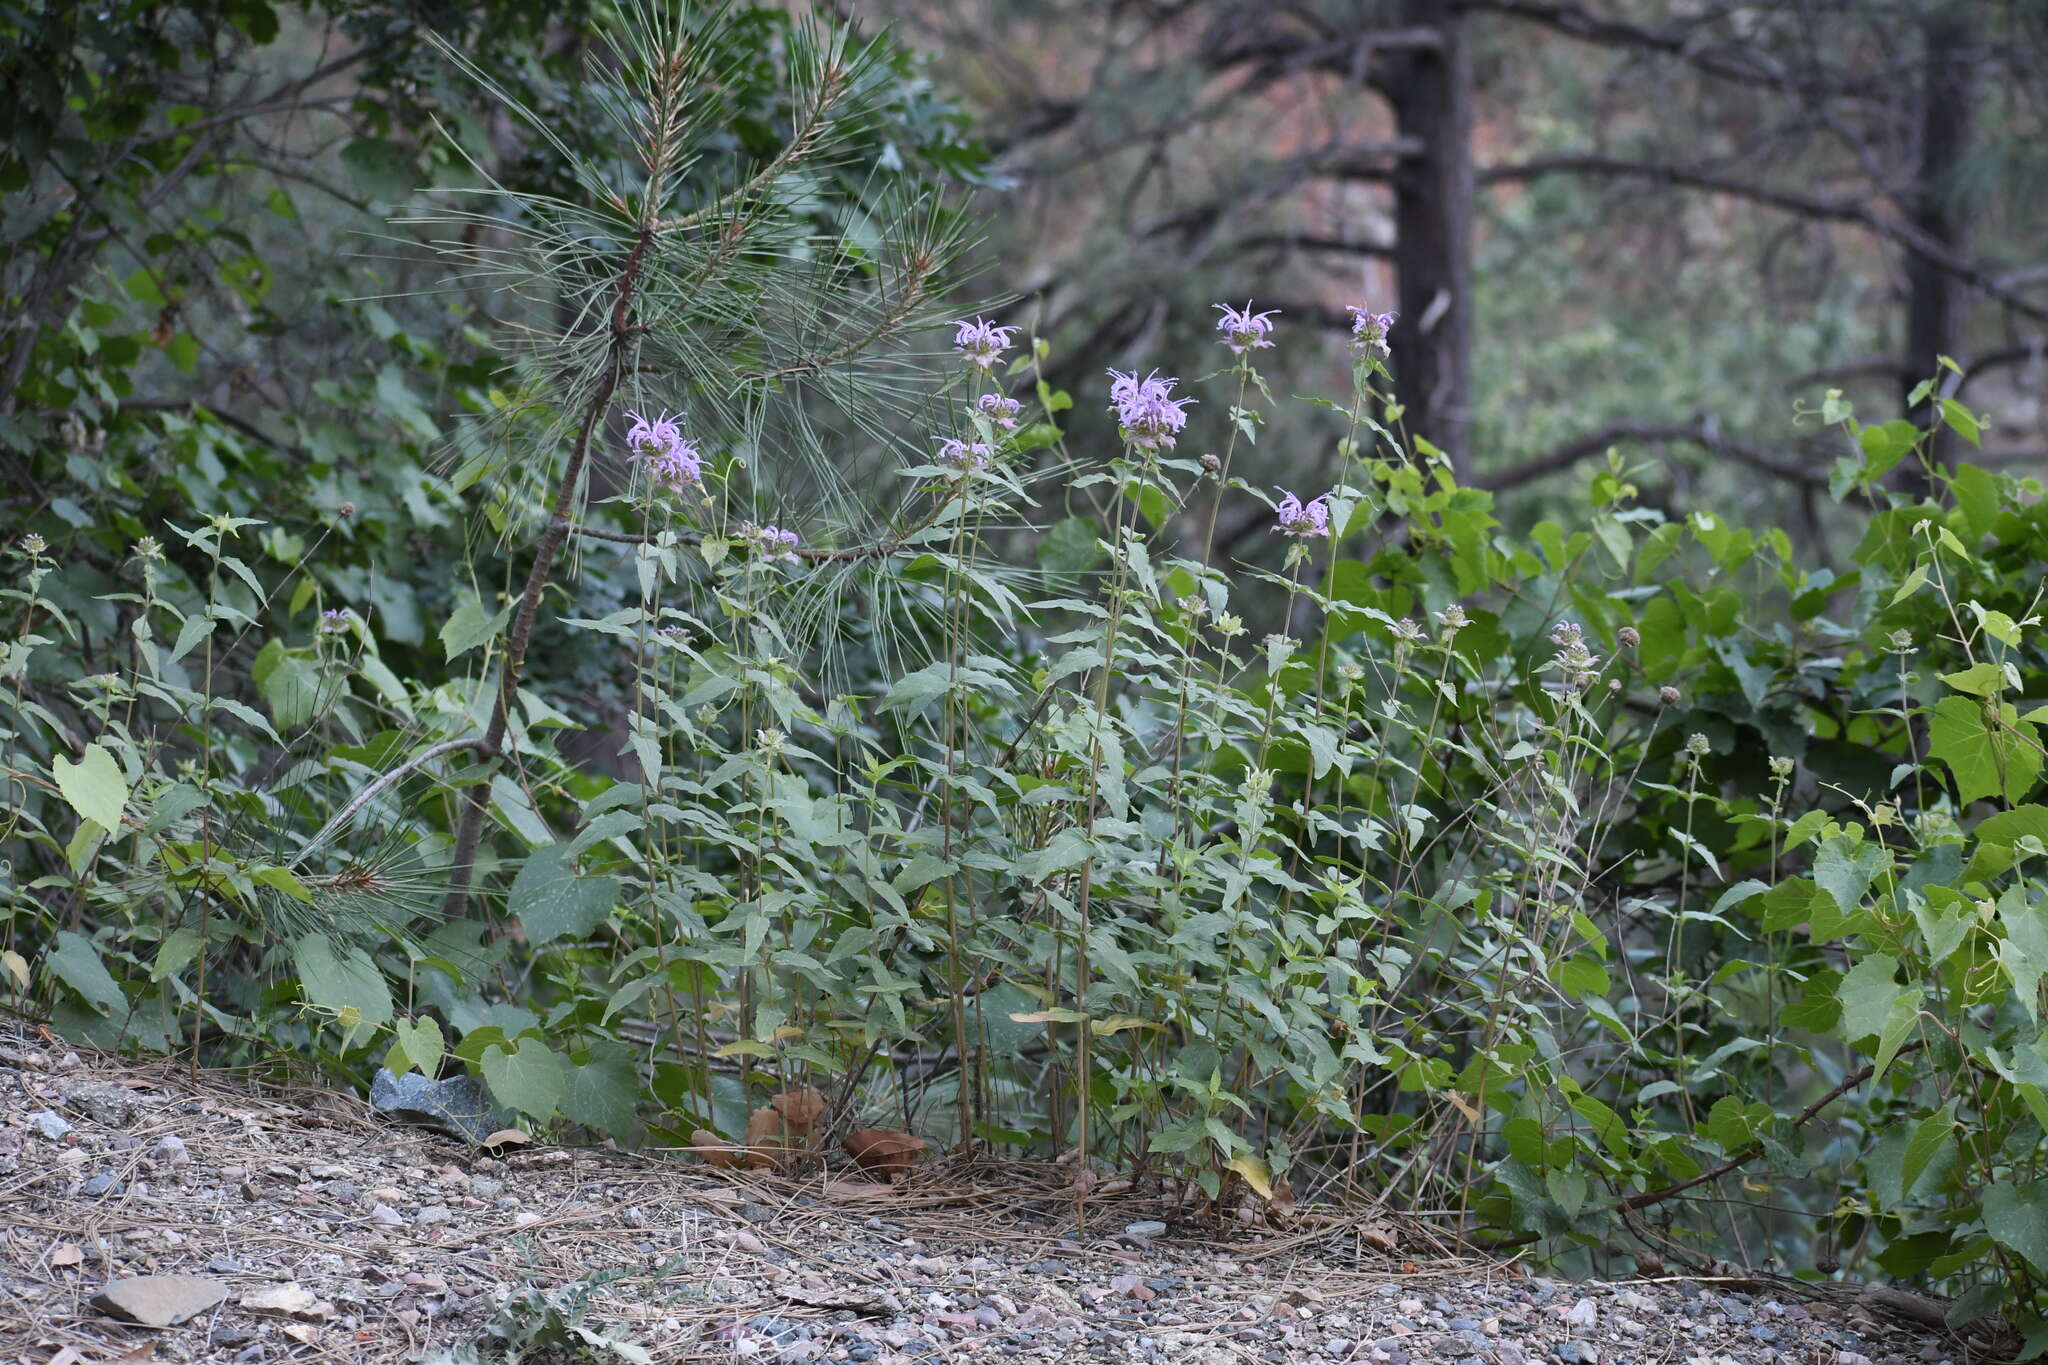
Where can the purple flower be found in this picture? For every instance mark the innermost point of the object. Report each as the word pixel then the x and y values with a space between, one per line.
pixel 771 542
pixel 1296 518
pixel 1000 411
pixel 1243 330
pixel 1149 415
pixel 1369 330
pixel 980 343
pixel 673 462
pixel 336 622
pixel 965 455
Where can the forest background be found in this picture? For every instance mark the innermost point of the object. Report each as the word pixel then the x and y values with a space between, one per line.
pixel 485 598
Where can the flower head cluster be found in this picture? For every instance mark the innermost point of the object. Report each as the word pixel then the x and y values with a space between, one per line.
pixel 675 463
pixel 770 542
pixel 1369 330
pixel 1573 659
pixel 148 550
pixel 336 622
pixel 1243 330
pixel 1000 411
pixel 981 343
pixel 1146 410
pixel 1452 619
pixel 1293 517
pixel 965 456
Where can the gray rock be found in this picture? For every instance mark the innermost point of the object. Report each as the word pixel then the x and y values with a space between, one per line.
pixel 1145 1230
pixel 484 1187
pixel 1507 1353
pixel 160 1300
pixel 170 1150
pixel 52 1126
pixel 106 1182
pixel 386 1216
pixel 458 1106
pixel 103 1102
pixel 432 1214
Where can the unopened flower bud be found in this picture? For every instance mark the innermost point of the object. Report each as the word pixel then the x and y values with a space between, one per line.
pixel 1781 768
pixel 1668 695
pixel 1697 745
pixel 348 509
pixel 1211 466
pixel 1628 637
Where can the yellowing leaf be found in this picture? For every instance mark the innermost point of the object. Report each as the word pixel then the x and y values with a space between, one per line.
pixel 1255 1174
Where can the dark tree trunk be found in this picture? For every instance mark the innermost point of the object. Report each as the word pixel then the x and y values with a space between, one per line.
pixel 1430 90
pixel 1937 302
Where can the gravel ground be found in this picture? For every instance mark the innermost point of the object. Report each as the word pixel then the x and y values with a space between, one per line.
pixel 314 1231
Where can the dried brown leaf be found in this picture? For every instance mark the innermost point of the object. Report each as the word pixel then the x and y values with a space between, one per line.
pixel 879 1151
pixel 66 1254
pixel 800 1108
pixel 768 1138
pixel 849 1190
pixel 507 1138
pixel 708 1146
pixel 1379 1237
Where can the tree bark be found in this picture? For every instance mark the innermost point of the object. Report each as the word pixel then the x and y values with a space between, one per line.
pixel 1430 91
pixel 1936 303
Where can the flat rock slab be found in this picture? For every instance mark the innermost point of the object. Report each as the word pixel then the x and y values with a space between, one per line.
pixel 160 1300
pixel 458 1106
pixel 103 1102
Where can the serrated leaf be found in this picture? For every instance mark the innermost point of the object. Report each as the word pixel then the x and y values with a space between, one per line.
pixel 1995 756
pixel 420 1043
pixel 76 963
pixel 528 1079
pixel 603 1093
pixel 2017 1217
pixel 470 627
pixel 341 980
pixel 93 786
pixel 552 902
pixel 1926 1143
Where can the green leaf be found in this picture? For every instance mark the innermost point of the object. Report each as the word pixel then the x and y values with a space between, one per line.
pixel 2024 952
pixel 1845 867
pixel 1581 976
pixel 1944 926
pixel 1928 1139
pixel 604 1093
pixel 1987 747
pixel 292 686
pixel 76 963
pixel 340 979
pixel 2017 1216
pixel 1070 547
pixel 1868 994
pixel 381 167
pixel 469 627
pixel 1979 680
pixel 552 902
pixel 94 786
pixel 418 1046
pixel 1962 420
pixel 529 1080
pixel 175 953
